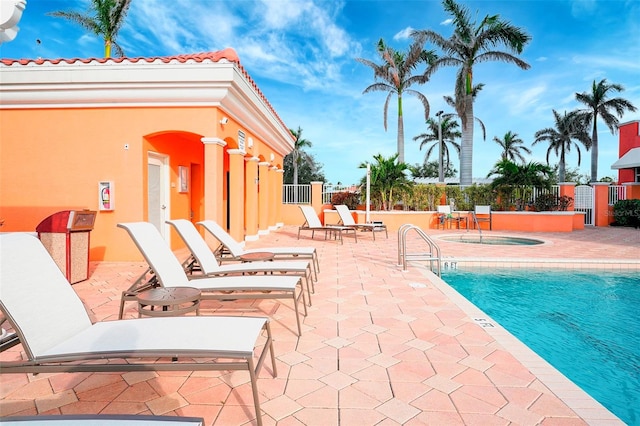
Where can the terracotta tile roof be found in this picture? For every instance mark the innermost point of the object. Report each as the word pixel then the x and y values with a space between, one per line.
pixel 229 54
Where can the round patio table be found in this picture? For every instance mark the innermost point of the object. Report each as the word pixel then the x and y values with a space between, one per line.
pixel 168 301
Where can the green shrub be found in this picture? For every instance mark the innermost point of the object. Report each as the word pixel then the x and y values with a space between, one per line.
pixel 350 199
pixel 424 197
pixel 552 202
pixel 627 213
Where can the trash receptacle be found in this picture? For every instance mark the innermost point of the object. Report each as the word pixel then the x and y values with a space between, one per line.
pixel 65 235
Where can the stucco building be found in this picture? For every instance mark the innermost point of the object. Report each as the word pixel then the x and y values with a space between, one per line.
pixel 139 139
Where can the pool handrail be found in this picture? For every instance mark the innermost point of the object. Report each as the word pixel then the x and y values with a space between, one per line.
pixel 432 256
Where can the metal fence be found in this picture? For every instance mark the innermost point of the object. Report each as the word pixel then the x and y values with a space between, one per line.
pixel 617 193
pixel 296 194
pixel 329 190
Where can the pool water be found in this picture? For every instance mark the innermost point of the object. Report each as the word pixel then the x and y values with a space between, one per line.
pixel 585 324
pixel 492 240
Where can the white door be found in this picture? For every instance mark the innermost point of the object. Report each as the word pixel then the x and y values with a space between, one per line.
pixel 158 192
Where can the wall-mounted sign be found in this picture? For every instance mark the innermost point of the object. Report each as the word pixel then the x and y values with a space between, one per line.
pixel 241 137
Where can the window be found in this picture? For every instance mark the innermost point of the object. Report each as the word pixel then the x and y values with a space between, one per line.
pixel 637 170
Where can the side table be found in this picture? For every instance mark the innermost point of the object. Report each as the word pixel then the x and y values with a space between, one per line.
pixel 168 301
pixel 257 256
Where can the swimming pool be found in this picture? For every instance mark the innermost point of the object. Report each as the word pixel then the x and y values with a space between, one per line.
pixel 586 324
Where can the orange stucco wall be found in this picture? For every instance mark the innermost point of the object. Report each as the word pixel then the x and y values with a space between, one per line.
pixel 629 137
pixel 53 159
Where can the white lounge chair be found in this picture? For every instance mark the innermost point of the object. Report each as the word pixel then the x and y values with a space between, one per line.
pixel 347 220
pixel 168 272
pixel 208 263
pixel 230 249
pixel 57 335
pixel 312 223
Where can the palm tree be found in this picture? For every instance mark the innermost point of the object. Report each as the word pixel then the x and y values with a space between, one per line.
pixel 598 103
pixel 449 131
pixel 511 146
pixel 395 75
pixel 297 154
pixel 568 127
pixel 388 177
pixel 470 44
pixel 106 21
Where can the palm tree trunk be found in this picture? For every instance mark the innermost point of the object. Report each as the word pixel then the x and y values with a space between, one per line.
pixel 107 49
pixel 561 169
pixel 400 131
pixel 295 177
pixel 466 149
pixel 594 151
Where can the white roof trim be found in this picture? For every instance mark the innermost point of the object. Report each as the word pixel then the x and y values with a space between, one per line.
pixel 629 160
pixel 144 84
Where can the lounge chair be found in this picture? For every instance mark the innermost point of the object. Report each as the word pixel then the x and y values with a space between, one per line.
pixel 168 272
pixel 230 249
pixel 207 262
pixel 312 223
pixel 57 335
pixel 347 220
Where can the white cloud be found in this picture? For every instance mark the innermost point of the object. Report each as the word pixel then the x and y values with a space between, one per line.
pixel 403 34
pixel 447 22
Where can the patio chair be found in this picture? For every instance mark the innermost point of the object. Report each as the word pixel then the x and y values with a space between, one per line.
pixel 347 220
pixel 312 223
pixel 482 214
pixel 446 216
pixel 57 335
pixel 206 260
pixel 230 249
pixel 168 272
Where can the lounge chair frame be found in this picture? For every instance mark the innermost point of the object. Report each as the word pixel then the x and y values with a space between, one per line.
pixel 312 223
pixel 165 270
pixel 347 220
pixel 203 259
pixel 230 250
pixel 60 338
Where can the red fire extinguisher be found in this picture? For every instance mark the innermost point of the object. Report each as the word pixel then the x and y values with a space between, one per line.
pixel 105 197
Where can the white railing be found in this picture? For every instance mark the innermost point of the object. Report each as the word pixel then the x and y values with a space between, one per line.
pixel 329 190
pixel 296 194
pixel 617 193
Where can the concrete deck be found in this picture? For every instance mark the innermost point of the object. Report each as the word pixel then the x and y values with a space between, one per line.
pixel 380 346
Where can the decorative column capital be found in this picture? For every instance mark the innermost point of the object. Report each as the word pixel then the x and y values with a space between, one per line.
pixel 213 141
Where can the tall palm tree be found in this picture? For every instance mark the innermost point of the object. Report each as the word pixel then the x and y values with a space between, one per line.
pixel 394 76
pixel 449 131
pixel 298 151
pixel 105 18
pixel 512 146
pixel 471 44
pixel 598 103
pixel 568 128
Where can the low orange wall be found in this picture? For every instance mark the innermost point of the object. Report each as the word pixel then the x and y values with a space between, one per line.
pixel 502 221
pixel 537 221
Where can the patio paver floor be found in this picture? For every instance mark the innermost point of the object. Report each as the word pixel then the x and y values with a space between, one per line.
pixel 376 348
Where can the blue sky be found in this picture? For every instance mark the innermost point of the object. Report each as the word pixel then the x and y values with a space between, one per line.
pixel 301 53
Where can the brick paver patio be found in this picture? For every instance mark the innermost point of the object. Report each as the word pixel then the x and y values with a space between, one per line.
pixel 380 346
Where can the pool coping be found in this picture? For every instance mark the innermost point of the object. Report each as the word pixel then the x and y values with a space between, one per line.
pixel 497 262
pixel 583 404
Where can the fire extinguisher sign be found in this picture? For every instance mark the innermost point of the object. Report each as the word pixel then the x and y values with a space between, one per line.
pixel 105 196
